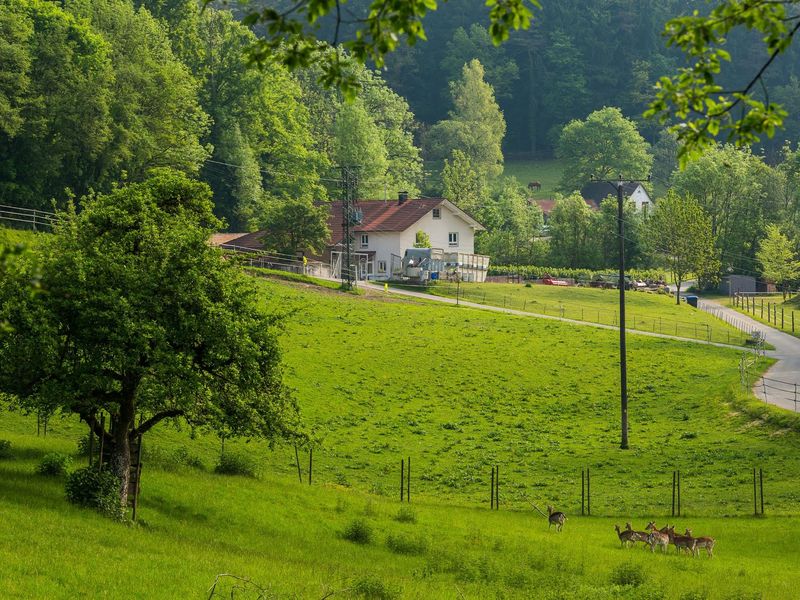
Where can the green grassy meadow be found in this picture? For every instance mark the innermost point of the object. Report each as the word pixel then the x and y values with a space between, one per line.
pixel 656 313
pixel 547 172
pixel 458 390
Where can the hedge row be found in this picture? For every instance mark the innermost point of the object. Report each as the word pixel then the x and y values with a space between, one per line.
pixel 536 272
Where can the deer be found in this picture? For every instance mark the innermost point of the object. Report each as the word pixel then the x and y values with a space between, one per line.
pixel 625 536
pixel 637 536
pixel 657 537
pixel 555 518
pixel 682 542
pixel 703 542
pixel 535 185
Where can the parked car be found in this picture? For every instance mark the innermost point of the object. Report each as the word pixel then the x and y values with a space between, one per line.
pixel 547 280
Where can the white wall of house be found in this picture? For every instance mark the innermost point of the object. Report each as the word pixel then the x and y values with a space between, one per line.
pixel 641 199
pixel 440 229
pixel 386 243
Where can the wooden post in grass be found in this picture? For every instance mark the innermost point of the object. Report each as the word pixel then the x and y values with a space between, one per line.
pixel 408 481
pixel 497 487
pixel 755 493
pixel 762 308
pixel 402 481
pixel 792 321
pixel 583 491
pixel 310 463
pixel 588 493
pixel 781 318
pixel 761 486
pixel 491 500
pixel 673 493
pixel 297 462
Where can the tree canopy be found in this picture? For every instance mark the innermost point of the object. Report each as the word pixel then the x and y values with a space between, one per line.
pixel 605 145
pixel 143 320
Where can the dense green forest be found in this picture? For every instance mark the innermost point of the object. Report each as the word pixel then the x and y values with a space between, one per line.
pixel 95 94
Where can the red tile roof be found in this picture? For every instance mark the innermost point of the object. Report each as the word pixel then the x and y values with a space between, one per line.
pixel 548 205
pixel 380 215
pixel 219 239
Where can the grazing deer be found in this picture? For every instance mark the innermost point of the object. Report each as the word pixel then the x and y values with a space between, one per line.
pixel 555 518
pixel 657 538
pixel 625 536
pixel 703 542
pixel 682 542
pixel 637 536
pixel 535 185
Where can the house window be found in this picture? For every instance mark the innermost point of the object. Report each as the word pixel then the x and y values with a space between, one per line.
pixel 645 208
pixel 364 240
pixel 381 266
pixel 452 238
pixel 437 213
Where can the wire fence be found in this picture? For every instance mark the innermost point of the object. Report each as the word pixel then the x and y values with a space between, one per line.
pixel 278 261
pixel 29 216
pixel 576 312
pixel 774 313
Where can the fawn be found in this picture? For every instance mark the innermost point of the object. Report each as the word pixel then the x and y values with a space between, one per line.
pixel 657 538
pixel 682 541
pixel 703 542
pixel 625 536
pixel 555 518
pixel 637 536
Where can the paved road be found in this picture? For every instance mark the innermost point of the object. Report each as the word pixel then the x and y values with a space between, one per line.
pixel 782 380
pixel 511 311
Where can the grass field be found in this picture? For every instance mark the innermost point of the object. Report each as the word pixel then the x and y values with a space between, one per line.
pixel 771 310
pixel 458 390
pixel 656 313
pixel 547 172
pixel 12 237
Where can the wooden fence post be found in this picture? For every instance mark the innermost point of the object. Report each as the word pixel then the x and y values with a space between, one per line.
pixel 310 463
pixel 297 461
pixel 673 493
pixel 491 497
pixel 402 482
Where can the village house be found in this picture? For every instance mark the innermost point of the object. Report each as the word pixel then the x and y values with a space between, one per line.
pixel 383 230
pixel 595 192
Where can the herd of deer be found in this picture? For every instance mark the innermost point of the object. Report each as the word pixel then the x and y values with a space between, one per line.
pixel 652 536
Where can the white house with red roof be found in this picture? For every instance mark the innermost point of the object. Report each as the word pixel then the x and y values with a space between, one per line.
pixel 386 229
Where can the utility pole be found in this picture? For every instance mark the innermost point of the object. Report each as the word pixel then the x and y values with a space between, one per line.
pixel 349 183
pixel 618 185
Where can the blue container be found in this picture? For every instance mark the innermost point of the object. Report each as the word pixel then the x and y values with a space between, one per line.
pixel 434 276
pixel 691 301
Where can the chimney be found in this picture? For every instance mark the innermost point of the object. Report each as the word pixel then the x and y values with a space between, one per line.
pixel 402 197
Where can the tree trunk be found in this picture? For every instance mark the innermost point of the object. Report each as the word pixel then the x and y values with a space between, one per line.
pixel 678 293
pixel 123 425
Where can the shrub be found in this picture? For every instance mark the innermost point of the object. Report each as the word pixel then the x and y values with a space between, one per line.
pixel 358 531
pixel 95 489
pixel 404 544
pixel 406 515
pixel 375 589
pixel 5 449
pixel 235 463
pixel 54 464
pixel 628 574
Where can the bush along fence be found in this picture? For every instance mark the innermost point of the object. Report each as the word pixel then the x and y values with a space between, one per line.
pixel 773 313
pixel 523 272
pixel 576 312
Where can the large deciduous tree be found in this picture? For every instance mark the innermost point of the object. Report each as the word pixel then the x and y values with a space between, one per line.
pixel 605 145
pixel 778 258
pixel 476 125
pixel 143 320
pixel 295 226
pixel 681 236
pixel 573 239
